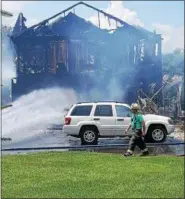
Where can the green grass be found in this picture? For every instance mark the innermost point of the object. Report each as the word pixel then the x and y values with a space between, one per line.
pixel 91 175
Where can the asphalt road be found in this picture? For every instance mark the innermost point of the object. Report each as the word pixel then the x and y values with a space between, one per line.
pixel 56 138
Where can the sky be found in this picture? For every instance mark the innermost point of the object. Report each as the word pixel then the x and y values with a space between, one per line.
pixel 166 17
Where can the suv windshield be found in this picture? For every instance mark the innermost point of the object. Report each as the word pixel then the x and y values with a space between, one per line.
pixel 81 111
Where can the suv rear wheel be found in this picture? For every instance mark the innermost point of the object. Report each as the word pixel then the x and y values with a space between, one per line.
pixel 89 136
pixel 156 134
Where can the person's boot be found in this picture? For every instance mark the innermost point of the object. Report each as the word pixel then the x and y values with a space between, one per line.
pixel 128 153
pixel 144 153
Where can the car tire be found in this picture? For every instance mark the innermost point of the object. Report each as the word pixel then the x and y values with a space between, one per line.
pixel 156 134
pixel 89 136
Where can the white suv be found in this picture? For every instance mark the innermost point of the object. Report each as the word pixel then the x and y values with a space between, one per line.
pixel 89 121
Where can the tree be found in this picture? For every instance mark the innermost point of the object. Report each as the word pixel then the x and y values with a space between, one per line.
pixel 173 66
pixel 173 63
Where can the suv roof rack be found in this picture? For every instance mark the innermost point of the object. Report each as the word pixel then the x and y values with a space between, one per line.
pixel 83 102
pixel 99 101
pixel 108 101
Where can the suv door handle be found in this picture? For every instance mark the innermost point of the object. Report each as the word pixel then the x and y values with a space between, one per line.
pixel 96 119
pixel 120 119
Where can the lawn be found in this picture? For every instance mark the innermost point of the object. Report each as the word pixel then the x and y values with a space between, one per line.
pixel 91 175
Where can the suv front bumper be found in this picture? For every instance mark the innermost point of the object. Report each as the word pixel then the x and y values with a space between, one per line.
pixel 170 129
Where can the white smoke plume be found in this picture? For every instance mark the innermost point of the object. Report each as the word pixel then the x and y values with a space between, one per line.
pixel 35 112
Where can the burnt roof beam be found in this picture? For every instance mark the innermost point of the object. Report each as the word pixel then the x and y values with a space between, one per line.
pixel 6 13
pixel 47 20
pixel 106 14
pixel 73 6
pixel 87 5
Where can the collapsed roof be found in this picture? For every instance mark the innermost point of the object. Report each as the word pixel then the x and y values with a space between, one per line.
pixel 72 25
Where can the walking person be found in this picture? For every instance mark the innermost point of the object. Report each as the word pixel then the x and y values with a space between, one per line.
pixel 138 129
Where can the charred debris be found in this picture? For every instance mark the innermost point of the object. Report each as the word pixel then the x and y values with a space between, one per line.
pixel 69 51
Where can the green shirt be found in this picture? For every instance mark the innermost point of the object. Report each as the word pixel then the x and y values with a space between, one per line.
pixel 136 121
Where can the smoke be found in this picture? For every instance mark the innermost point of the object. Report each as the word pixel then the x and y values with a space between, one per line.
pixel 110 92
pixel 117 9
pixel 8 69
pixel 114 89
pixel 8 53
pixel 34 113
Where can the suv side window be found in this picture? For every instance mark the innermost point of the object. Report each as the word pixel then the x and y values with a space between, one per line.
pixel 81 111
pixel 122 111
pixel 103 110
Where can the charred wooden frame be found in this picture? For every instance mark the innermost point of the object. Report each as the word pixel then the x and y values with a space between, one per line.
pixel 71 46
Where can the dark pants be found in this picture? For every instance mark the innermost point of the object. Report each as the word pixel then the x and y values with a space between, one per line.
pixel 137 140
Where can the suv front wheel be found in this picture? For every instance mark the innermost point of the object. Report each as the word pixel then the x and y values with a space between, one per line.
pixel 89 136
pixel 156 134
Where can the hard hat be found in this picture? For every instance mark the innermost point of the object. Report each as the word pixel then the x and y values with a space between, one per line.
pixel 135 106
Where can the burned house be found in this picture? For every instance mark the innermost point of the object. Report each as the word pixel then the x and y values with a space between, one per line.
pixel 68 51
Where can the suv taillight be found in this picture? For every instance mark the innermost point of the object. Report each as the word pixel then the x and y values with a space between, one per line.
pixel 67 120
